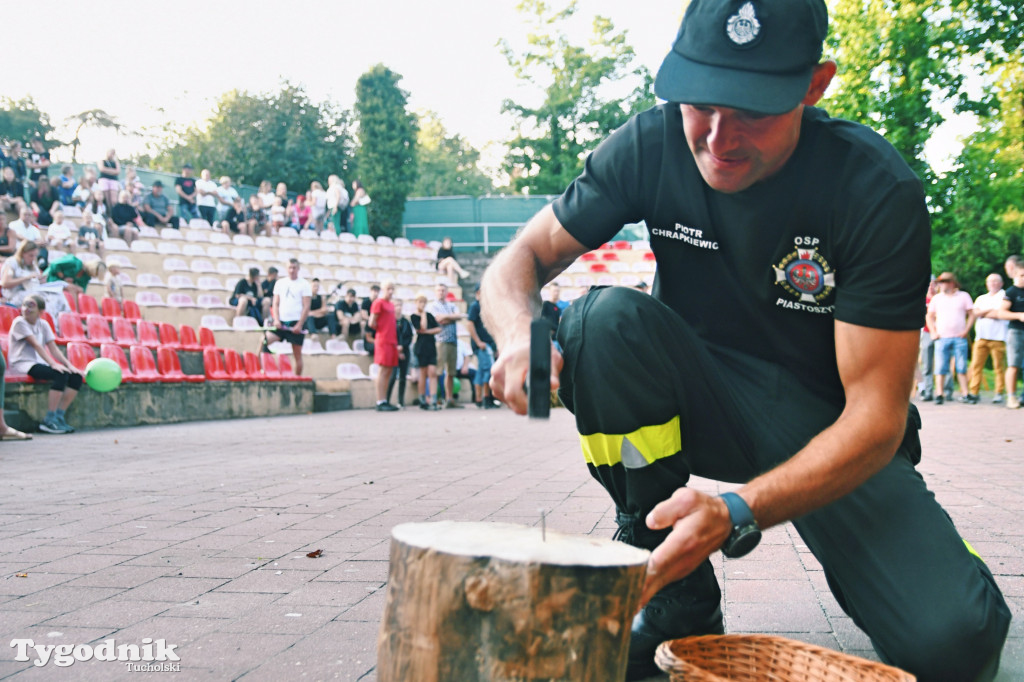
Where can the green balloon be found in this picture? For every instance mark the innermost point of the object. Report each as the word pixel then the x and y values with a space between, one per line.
pixel 103 374
pixel 456 385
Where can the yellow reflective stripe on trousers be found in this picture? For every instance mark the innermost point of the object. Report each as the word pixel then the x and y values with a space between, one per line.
pixel 651 442
pixel 972 550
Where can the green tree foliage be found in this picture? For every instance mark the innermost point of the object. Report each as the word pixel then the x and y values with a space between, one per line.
pixel 579 108
pixel 96 118
pixel 387 147
pixel 447 164
pixel 982 220
pixel 280 137
pixel 20 120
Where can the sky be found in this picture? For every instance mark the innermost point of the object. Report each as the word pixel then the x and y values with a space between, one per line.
pixel 150 62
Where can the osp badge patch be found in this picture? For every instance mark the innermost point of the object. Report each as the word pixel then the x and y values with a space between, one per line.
pixel 807 276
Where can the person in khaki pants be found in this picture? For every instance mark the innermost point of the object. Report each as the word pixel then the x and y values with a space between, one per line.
pixel 989 339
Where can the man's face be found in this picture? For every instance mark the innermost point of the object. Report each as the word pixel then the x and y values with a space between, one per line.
pixel 441 291
pixel 556 293
pixel 946 286
pixel 293 270
pixel 315 287
pixel 387 291
pixel 1011 269
pixel 186 172
pixel 26 216
pixel 157 190
pixel 993 283
pixel 735 149
pixel 37 145
pixel 350 298
pixel 271 276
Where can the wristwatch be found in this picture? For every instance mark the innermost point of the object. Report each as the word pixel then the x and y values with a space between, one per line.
pixel 745 534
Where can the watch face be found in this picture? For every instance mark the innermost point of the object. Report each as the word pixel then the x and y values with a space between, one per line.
pixel 741 542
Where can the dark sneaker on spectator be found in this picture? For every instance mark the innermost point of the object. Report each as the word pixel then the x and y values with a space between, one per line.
pixel 939 400
pixel 452 405
pixel 52 426
pixel 998 399
pixel 386 407
pixel 63 422
pixel 972 399
pixel 927 397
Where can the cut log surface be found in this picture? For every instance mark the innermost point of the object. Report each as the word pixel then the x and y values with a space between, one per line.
pixel 487 601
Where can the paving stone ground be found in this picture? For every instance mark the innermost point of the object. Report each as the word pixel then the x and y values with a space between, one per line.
pixel 197 533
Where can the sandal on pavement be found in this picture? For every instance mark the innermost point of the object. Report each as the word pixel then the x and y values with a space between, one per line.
pixel 14 434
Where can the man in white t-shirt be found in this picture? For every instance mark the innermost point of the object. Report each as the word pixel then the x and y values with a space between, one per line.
pixel 989 338
pixel 25 226
pixel 950 316
pixel 206 196
pixel 292 296
pixel 226 195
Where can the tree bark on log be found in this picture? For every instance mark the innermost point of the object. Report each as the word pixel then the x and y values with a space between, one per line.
pixel 469 602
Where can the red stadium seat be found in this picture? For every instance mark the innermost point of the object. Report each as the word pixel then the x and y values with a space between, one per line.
pixel 49 320
pixel 124 333
pixel 213 365
pixel 419 243
pixel 606 245
pixel 270 367
pixel 252 366
pixel 132 310
pixel 234 365
pixel 649 256
pixel 188 338
pixel 98 329
pixel 10 376
pixel 7 315
pixel 621 244
pixel 148 335
pixel 598 267
pixel 72 303
pixel 206 338
pixel 589 256
pixel 87 305
pixel 287 373
pixel 70 328
pixel 170 367
pixel 111 308
pixel 143 364
pixel 609 255
pixel 115 353
pixel 80 354
pixel 168 335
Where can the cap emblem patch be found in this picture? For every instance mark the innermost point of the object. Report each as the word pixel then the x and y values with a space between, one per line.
pixel 743 27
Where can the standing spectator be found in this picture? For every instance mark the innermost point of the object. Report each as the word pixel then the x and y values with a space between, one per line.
pixel 365 306
pixel 989 338
pixel 447 314
pixel 427 329
pixel 206 197
pixel 337 204
pixel 110 178
pixel 14 161
pixel 360 199
pixel 60 235
pixel 38 161
pixel 317 205
pixel 8 238
pixel 12 191
pixel 320 314
pixel 348 314
pixel 185 186
pixel 403 332
pixel 289 309
pixel 1012 309
pixel 268 292
pixel 89 237
pixel 446 263
pixel 385 343
pixel 67 187
pixel 950 316
pixel 112 283
pixel 926 352
pixel 34 351
pixel 226 195
pixel 44 201
pixel 125 220
pixel 21 275
pixel 247 296
pixel 484 350
pixel 551 309
pixel 156 207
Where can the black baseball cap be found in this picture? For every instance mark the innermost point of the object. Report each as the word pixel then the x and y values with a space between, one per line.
pixel 756 55
pixel 187 165
pixel 158 183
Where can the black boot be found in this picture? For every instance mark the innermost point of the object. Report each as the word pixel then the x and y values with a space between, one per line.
pixel 687 607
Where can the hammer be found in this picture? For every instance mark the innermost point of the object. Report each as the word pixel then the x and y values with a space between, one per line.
pixel 538 380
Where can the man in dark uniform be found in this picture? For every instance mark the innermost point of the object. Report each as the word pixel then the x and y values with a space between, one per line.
pixel 777 349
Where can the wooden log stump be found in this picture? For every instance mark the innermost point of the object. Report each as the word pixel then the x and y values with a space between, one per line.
pixel 469 602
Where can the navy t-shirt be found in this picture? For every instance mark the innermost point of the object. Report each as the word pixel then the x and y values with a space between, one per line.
pixel 841 232
pixel 1015 295
pixel 473 315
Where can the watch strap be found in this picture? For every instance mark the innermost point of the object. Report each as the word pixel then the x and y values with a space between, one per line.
pixel 739 512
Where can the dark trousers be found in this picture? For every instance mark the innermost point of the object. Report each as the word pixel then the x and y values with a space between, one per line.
pixel 208 213
pixel 891 555
pixel 399 375
pixel 315 324
pixel 187 211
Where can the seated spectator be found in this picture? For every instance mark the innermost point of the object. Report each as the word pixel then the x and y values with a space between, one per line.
pixel 206 197
pixel 281 191
pixel 20 275
pixel 83 192
pixel 67 187
pixel 89 237
pixel 43 201
pixel 8 238
pixel 14 161
pixel 266 195
pixel 248 296
pixel 75 274
pixel 226 195
pixel 256 216
pixel 134 186
pixel 318 205
pixel 12 191
pixel 349 315
pixel 446 263
pixel 268 291
pixel 234 220
pixel 156 207
pixel 278 215
pixel 112 283
pixel 34 351
pixel 38 162
pixel 59 235
pixel 25 227
pixel 300 213
pixel 320 314
pixel 125 220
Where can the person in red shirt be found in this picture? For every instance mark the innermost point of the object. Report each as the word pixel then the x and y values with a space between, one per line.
pixel 385 344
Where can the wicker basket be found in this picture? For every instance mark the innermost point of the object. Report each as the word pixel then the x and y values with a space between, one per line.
pixel 765 658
